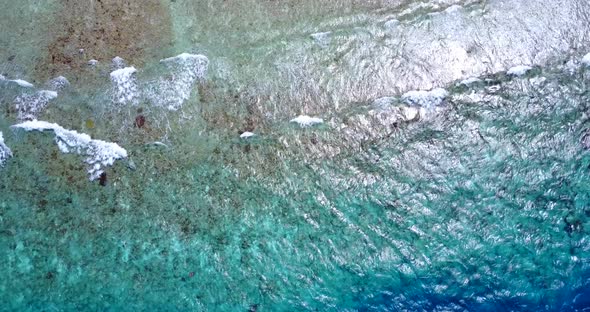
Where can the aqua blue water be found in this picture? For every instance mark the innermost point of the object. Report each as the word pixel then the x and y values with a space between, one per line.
pixel 480 202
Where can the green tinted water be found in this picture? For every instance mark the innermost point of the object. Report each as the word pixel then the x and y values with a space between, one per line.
pixel 479 204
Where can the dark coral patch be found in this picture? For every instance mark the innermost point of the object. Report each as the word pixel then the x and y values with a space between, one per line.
pixel 104 29
pixel 139 121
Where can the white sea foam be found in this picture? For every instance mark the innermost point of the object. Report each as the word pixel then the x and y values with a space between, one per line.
pixel 98 153
pixel 586 59
pixel 172 91
pixel 125 89
pixel 391 24
pixel 58 83
pixel 410 113
pixel 427 99
pixel 118 63
pixel 22 83
pixel 384 102
pixel 5 152
pixel 158 143
pixel 29 106
pixel 306 121
pixel 469 81
pixel 519 70
pixel 123 73
pixel 453 8
pixel 183 58
pixel 322 38
pixel 247 134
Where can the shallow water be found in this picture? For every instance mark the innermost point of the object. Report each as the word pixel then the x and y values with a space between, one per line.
pixel 473 197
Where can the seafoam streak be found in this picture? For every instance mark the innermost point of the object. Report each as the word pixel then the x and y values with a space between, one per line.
pixel 29 106
pixel 99 153
pixel 173 91
pixel 307 121
pixel 125 89
pixel 426 99
pixel 5 152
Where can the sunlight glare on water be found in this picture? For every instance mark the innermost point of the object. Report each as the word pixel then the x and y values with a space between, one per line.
pixel 256 155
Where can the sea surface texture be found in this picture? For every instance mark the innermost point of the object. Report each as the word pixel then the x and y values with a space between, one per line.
pixel 295 155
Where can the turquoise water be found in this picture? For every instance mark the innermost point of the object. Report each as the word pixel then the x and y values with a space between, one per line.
pixel 477 201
